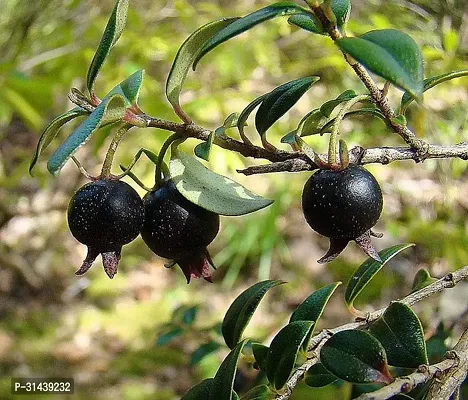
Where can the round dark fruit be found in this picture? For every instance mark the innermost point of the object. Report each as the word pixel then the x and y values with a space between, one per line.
pixel 343 205
pixel 105 215
pixel 180 230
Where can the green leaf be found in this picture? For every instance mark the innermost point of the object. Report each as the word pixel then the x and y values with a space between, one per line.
pixel 422 279
pixel 51 131
pixel 355 356
pixel 241 122
pixel 109 111
pixel 367 111
pixel 311 123
pixel 247 22
pixel 391 54
pixel 231 120
pixel 186 55
pixel 259 393
pixel 202 150
pixel 210 190
pixel 311 309
pixel 224 378
pixel 280 100
pixel 306 20
pixel 430 83
pixel 169 335
pixel 203 351
pixel 241 310
pixel 185 315
pixel 114 29
pixel 319 376
pixel 200 391
pixel 327 108
pixel 401 334
pixel 283 351
pixel 129 88
pixel 363 275
pixel 260 353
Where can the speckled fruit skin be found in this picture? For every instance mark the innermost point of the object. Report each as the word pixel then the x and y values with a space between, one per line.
pixel 342 204
pixel 174 227
pixel 105 215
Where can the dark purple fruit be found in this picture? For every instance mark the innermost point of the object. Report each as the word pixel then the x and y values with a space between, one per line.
pixel 178 229
pixel 104 215
pixel 343 205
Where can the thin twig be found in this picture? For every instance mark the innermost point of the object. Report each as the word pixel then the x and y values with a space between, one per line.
pixel 316 343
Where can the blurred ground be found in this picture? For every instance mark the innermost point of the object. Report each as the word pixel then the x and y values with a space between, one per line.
pixel 105 333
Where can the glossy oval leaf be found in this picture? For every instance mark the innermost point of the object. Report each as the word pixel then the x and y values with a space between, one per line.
pixel 280 100
pixel 114 29
pixel 306 20
pixel 391 54
pixel 260 353
pixel 319 376
pixel 400 332
pixel 204 350
pixel 245 23
pixel 327 108
pixel 224 379
pixel 259 393
pixel 186 55
pixel 355 356
pixel 51 131
pixel 210 190
pixel 129 88
pixel 241 310
pixel 200 391
pixel 364 274
pixel 311 309
pixel 422 279
pixel 109 111
pixel 430 83
pixel 283 351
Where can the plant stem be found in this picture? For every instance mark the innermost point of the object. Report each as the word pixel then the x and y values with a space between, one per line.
pixel 107 165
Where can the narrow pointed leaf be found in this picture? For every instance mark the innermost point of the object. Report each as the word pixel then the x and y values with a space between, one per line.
pixel 107 112
pixel 204 350
pixel 422 279
pixel 241 310
pixel 129 88
pixel 280 100
pixel 169 335
pixel 224 379
pixel 306 20
pixel 312 307
pixel 311 123
pixel 200 391
pixel 114 29
pixel 243 24
pixel 401 334
pixel 319 376
pixel 210 190
pixel 186 55
pixel 259 393
pixel 283 352
pixel 51 131
pixel 241 122
pixel 430 83
pixel 328 107
pixel 355 356
pixel 366 111
pixel 364 274
pixel 391 54
pixel 260 353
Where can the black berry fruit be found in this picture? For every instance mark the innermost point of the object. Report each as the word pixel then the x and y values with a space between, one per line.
pixel 180 230
pixel 343 205
pixel 104 215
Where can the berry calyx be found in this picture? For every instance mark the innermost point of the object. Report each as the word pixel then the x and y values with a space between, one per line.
pixel 179 230
pixel 343 206
pixel 104 215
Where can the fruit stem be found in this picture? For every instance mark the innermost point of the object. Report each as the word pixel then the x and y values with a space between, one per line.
pixel 160 165
pixel 333 144
pixel 107 165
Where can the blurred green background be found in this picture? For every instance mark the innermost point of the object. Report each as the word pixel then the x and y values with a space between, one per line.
pixel 142 335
